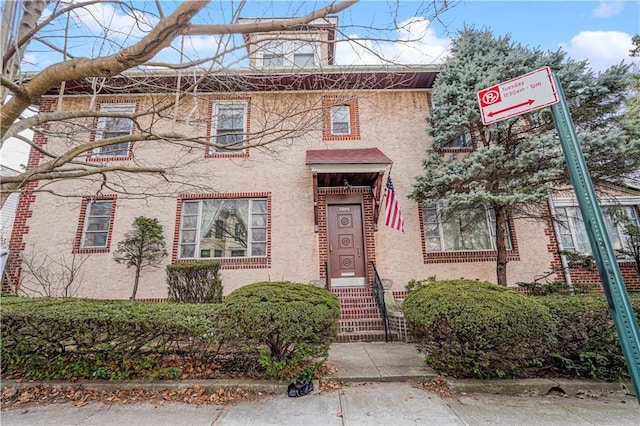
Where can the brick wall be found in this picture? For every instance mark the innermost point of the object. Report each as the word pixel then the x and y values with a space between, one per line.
pixel 11 280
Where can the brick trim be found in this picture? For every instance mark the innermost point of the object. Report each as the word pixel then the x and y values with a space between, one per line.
pixel 237 154
pixel 13 267
pixel 77 243
pixel 467 256
pixel 354 112
pixel 91 157
pixel 227 263
pixel 462 150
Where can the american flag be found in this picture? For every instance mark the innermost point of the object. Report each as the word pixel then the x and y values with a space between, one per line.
pixel 393 215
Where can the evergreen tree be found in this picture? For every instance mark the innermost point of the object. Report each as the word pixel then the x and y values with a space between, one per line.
pixel 516 163
pixel 142 247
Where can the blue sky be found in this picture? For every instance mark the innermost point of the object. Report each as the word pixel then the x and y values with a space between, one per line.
pixel 599 31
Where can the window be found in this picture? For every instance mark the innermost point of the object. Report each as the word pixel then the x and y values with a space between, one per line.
pixel 472 230
pixel 95 225
pixel 229 127
pixel 573 234
pixel 304 54
pixel 273 55
pixel 462 141
pixel 282 53
pixel 239 228
pixel 341 120
pixel 113 127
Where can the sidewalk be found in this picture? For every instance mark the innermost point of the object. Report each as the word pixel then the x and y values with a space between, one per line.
pixel 375 391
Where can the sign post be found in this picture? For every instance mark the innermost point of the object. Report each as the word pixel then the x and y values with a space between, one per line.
pixel 608 269
pixel 505 100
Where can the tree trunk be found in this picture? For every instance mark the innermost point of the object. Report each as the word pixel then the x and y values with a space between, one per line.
pixel 501 244
pixel 135 282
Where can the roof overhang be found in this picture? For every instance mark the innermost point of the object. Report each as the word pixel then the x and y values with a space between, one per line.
pixel 346 168
pixel 247 80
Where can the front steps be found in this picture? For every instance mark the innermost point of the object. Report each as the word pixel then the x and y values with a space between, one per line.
pixel 360 320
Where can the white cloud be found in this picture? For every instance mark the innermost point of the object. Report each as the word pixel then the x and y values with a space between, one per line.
pixel 601 48
pixel 101 18
pixel 416 43
pixel 607 9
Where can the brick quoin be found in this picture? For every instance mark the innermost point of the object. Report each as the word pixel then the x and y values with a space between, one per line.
pixel 11 280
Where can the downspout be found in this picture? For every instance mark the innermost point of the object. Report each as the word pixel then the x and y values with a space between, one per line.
pixel 563 258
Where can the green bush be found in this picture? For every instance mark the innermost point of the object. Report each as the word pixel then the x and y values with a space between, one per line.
pixel 587 344
pixel 195 282
pixel 48 338
pixel 478 329
pixel 292 324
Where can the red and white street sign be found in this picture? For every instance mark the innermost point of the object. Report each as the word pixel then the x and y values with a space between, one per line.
pixel 522 94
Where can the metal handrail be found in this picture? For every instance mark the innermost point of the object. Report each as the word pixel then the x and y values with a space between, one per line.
pixel 326 276
pixel 378 295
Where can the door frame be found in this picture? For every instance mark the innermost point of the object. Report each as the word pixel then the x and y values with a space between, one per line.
pixel 359 277
pixel 336 196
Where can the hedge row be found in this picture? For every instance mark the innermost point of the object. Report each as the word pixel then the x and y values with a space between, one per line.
pixel 66 338
pixel 480 330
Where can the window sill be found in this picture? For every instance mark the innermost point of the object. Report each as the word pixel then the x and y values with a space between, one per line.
pixel 99 158
pixel 237 154
pixel 82 250
pixel 468 256
pixel 235 263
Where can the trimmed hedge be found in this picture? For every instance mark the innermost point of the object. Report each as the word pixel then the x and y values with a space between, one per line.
pixel 478 329
pixel 587 344
pixel 195 282
pixel 48 338
pixel 292 324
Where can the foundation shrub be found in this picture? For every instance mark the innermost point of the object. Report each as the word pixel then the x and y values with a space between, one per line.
pixel 292 324
pixel 47 338
pixel 478 329
pixel 586 344
pixel 195 282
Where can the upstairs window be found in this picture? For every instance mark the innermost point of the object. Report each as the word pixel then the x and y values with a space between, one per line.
pixel 461 142
pixel 304 54
pixel 229 127
pixel 273 54
pixel 287 53
pixel 113 127
pixel 340 120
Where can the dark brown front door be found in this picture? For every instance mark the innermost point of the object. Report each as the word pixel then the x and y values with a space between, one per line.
pixel 346 248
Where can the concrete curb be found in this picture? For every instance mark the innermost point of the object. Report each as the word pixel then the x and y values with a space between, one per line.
pixel 209 385
pixel 540 387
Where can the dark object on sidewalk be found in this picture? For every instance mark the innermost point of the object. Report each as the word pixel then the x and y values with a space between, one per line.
pixel 299 389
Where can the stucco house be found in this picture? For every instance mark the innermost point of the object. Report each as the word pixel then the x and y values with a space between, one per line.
pixel 294 188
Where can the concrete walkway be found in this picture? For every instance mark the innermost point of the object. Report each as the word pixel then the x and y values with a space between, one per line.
pixel 376 390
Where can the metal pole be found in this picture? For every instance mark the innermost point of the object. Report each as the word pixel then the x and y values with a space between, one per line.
pixel 614 288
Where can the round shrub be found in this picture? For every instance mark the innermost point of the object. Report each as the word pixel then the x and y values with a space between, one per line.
pixel 292 324
pixel 587 344
pixel 478 329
